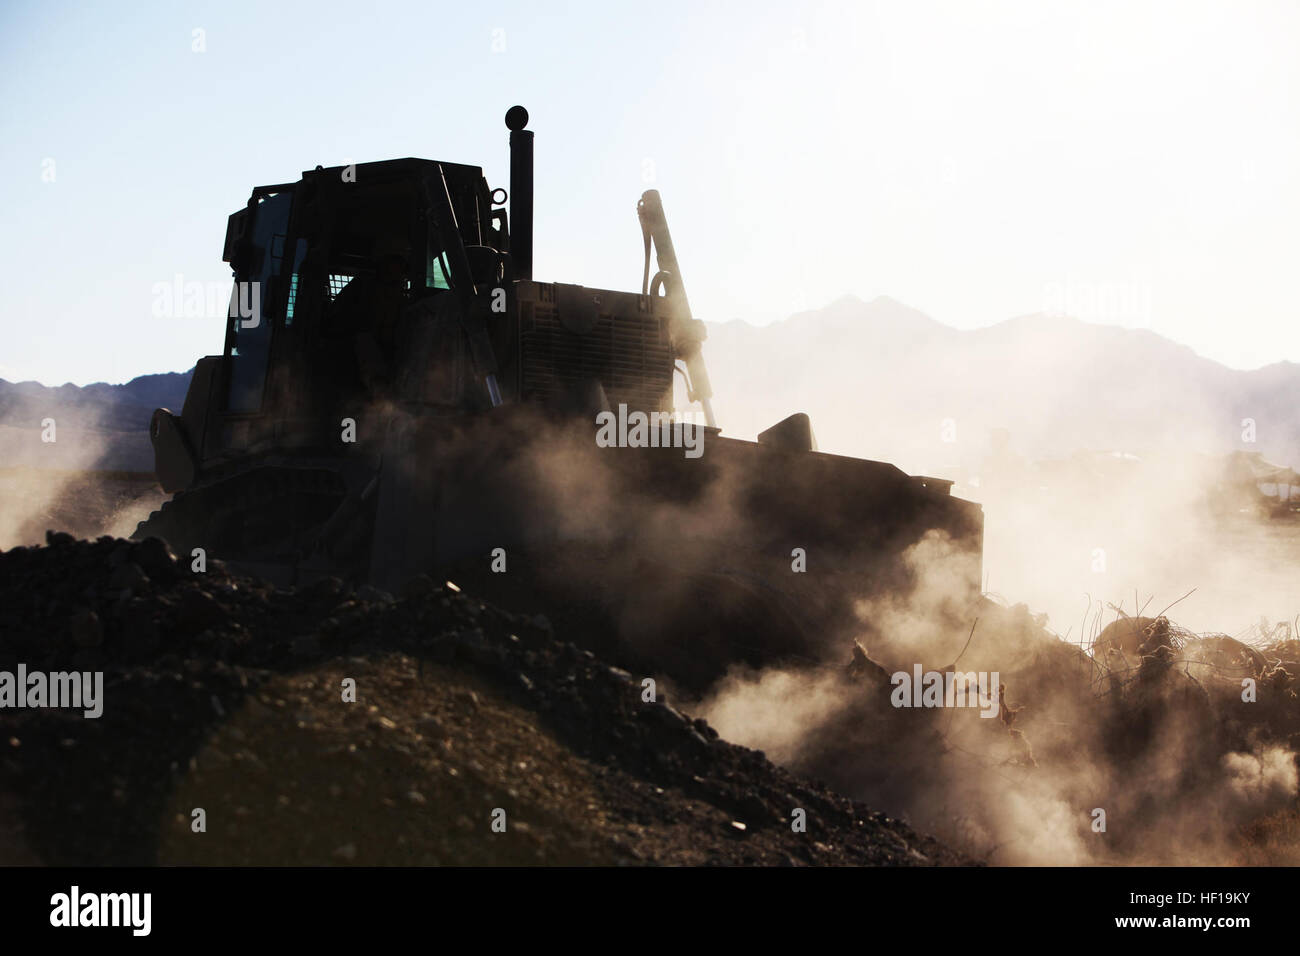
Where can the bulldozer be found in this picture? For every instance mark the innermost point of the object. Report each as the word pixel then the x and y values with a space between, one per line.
pixel 399 397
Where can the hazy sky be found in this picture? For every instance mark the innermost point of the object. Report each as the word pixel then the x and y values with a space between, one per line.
pixel 1125 162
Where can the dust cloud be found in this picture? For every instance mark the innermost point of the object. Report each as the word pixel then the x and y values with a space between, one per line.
pixel 1098 453
pixel 1155 745
pixel 59 486
pixel 1099 461
pixel 1096 755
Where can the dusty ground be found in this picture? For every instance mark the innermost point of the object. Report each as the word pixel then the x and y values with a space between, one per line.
pixel 225 694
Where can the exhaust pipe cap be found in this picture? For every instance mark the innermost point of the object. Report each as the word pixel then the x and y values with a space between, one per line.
pixel 516 118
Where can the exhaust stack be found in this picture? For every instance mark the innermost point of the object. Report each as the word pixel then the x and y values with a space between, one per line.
pixel 521 192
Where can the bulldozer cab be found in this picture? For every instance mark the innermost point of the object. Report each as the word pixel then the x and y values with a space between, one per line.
pixel 323 266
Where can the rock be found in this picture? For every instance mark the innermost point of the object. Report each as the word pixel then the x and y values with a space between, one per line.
pixel 88 659
pixel 473 646
pixel 417 587
pixel 140 632
pixel 430 725
pixel 667 715
pixel 128 576
pixel 87 631
pixel 307 645
pixel 755 810
pixel 373 595
pixel 155 557
pixel 217 570
pixel 198 609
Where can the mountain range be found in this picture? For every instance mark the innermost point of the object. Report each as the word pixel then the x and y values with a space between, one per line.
pixel 881 380
pixel 97 426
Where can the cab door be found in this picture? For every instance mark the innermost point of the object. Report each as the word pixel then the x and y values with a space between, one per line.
pixel 256 301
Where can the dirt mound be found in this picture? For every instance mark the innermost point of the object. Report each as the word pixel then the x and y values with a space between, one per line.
pixel 227 695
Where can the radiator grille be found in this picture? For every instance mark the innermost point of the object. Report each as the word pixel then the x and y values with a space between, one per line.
pixel 627 351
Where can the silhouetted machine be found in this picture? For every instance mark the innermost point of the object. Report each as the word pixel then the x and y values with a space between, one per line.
pixel 397 395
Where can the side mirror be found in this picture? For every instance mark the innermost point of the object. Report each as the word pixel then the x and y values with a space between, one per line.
pixel 487 266
pixel 236 230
